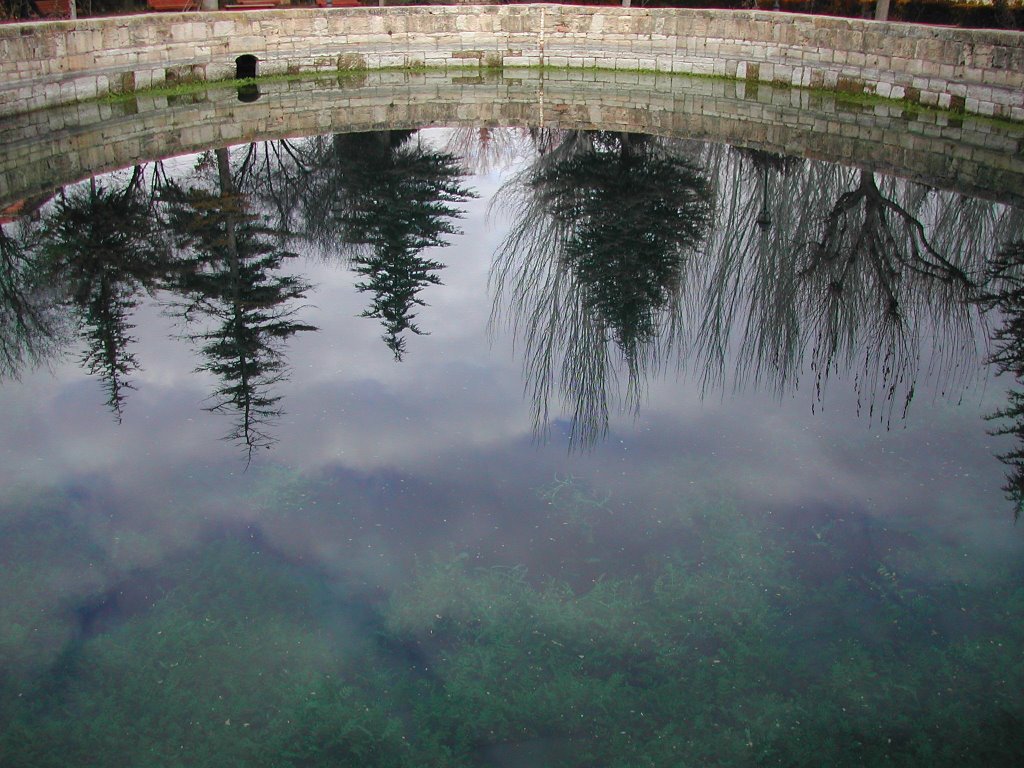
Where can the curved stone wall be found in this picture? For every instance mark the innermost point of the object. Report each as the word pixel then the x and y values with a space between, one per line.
pixel 44 149
pixel 977 71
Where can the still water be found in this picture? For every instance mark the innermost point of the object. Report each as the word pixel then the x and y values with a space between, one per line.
pixel 510 447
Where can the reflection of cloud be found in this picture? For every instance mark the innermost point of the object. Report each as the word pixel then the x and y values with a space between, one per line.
pixel 162 480
pixel 369 424
pixel 67 435
pixel 350 401
pixel 780 455
pixel 378 461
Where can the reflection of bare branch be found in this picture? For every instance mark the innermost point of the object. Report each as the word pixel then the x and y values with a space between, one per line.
pixel 890 247
pixel 874 282
pixel 1004 293
pixel 485 149
pixel 821 268
pixel 276 177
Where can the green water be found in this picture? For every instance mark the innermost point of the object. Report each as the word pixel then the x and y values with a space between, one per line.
pixel 738 644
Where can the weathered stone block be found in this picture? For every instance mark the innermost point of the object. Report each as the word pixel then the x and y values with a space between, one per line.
pixel 802 50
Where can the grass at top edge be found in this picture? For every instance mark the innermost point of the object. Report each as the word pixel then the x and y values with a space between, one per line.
pixel 841 97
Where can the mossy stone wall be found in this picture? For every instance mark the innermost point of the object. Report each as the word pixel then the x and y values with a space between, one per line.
pixel 976 71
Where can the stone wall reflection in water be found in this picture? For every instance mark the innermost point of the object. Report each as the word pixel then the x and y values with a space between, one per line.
pixel 944 150
pixel 405 579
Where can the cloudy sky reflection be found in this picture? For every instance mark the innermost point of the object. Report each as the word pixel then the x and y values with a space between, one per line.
pixel 376 461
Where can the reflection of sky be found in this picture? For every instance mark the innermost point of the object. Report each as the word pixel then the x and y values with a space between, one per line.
pixel 377 461
pixel 356 404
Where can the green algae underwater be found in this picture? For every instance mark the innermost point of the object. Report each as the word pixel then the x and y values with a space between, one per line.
pixel 726 648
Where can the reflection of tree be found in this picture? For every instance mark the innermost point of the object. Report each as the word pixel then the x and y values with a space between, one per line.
pixel 377 199
pixel 227 277
pixel 852 276
pixel 1004 293
pixel 397 198
pixel 484 149
pixel 275 176
pixel 628 215
pixel 101 243
pixel 872 270
pixel 812 267
pixel 27 323
pixel 594 263
pixel 749 281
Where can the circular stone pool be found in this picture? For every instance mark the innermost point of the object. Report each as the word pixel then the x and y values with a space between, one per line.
pixel 563 420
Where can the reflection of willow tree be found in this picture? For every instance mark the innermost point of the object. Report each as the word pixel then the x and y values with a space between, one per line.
pixel 749 280
pixel 1004 293
pixel 100 242
pixel 811 267
pixel 829 269
pixel 227 278
pixel 484 149
pixel 593 264
pixel 392 199
pixel 873 282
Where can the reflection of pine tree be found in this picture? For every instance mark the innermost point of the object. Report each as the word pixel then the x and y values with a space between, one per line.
pixel 227 277
pixel 100 242
pixel 1005 293
pixel 630 217
pixel 28 326
pixel 397 198
pixel 604 225
pixel 107 335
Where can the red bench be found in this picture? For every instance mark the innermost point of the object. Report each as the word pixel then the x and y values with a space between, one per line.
pixel 172 6
pixel 252 5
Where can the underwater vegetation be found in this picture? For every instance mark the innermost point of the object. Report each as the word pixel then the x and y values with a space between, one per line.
pixel 233 665
pixel 711 658
pixel 743 643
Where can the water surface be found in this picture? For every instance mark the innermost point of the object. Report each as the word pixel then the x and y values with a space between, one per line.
pixel 513 447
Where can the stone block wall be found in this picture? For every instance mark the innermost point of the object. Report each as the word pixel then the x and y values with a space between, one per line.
pixel 976 71
pixel 61 146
